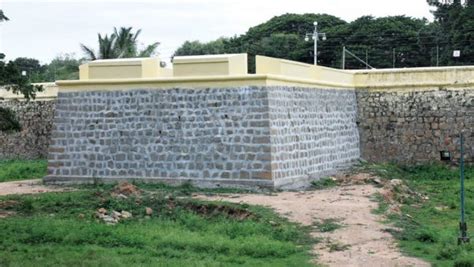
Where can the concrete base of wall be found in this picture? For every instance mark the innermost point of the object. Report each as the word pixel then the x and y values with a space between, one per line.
pixel 283 184
pixel 203 183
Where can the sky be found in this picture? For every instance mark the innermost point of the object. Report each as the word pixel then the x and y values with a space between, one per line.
pixel 44 29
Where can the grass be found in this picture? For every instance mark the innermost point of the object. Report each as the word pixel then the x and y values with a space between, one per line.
pixel 59 229
pixel 323 183
pixel 11 170
pixel 430 228
pixel 327 225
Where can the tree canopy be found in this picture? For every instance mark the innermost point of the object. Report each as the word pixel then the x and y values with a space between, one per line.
pixel 2 16
pixel 12 78
pixel 62 67
pixel 455 24
pixel 122 43
pixel 396 41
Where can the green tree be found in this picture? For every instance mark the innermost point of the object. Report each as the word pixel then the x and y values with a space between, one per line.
pixel 63 67
pixel 12 78
pixel 2 16
pixel 281 36
pixel 218 46
pixel 388 42
pixel 8 120
pixel 122 43
pixel 456 26
pixel 398 41
pixel 31 67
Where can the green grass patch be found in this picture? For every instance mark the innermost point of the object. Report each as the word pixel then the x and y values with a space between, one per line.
pixel 323 183
pixel 11 170
pixel 430 227
pixel 382 206
pixel 58 229
pixel 327 225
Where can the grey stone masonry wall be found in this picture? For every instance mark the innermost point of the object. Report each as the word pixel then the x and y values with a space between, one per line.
pixel 36 120
pixel 247 136
pixel 313 133
pixel 209 136
pixel 414 126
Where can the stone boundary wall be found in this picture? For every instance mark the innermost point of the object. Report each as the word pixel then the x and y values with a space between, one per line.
pixel 414 126
pixel 36 119
pixel 243 136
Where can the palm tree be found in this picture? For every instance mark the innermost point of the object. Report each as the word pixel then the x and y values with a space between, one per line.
pixel 126 42
pixel 106 48
pixel 2 16
pixel 122 43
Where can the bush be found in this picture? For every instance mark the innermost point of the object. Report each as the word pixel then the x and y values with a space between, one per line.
pixel 323 183
pixel 425 235
pixel 448 252
pixel 8 121
pixel 467 262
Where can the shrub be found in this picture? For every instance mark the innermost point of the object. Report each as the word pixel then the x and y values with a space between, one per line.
pixel 8 121
pixel 323 183
pixel 465 262
pixel 425 235
pixel 448 252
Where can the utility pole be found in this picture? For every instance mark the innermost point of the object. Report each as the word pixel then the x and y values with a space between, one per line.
pixel 463 238
pixel 367 58
pixel 437 55
pixel 343 57
pixel 393 57
pixel 315 36
pixel 344 51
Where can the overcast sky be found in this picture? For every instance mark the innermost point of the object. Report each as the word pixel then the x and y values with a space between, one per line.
pixel 43 29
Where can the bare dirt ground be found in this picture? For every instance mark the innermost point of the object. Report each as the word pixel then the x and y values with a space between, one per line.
pixel 27 187
pixel 362 237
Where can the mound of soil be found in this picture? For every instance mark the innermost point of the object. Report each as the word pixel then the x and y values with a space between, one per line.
pixel 210 210
pixel 5 205
pixel 126 189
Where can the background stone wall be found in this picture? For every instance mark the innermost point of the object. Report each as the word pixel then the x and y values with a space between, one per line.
pixel 36 119
pixel 414 126
pixel 313 133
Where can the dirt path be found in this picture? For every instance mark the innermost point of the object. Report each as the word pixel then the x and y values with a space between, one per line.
pixel 363 232
pixel 27 187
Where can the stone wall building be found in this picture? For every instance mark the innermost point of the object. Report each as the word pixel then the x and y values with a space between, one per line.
pixel 208 122
pixel 244 136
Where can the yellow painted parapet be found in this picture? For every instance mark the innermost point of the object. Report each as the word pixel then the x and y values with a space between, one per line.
pixel 123 69
pixel 50 92
pixel 231 70
pixel 415 78
pixel 210 65
pixel 323 75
